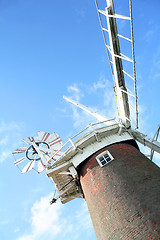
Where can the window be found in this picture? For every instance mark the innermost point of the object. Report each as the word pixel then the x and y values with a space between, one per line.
pixel 104 158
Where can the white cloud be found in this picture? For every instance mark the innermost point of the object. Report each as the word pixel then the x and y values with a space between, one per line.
pixel 73 89
pixel 102 83
pixel 81 13
pixel 7 127
pixel 51 222
pixel 4 155
pixel 86 223
pixel 155 67
pixel 44 220
pixel 4 140
pixel 102 90
pixel 4 222
pixel 81 118
pixel 10 134
pixel 16 230
pixel 149 35
pixel 75 92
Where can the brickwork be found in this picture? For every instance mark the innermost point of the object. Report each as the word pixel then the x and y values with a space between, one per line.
pixel 123 197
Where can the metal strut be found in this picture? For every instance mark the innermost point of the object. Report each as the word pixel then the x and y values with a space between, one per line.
pixel 155 138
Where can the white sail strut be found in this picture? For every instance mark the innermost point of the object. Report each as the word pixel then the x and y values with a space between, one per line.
pixel 96 114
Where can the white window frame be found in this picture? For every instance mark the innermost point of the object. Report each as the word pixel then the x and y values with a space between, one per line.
pixel 102 155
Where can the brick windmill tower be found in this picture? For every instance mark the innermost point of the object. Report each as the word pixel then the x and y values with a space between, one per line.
pixel 103 163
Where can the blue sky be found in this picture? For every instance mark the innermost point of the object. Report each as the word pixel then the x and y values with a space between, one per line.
pixel 49 49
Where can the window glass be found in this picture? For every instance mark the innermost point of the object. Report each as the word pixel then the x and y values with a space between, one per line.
pixel 104 158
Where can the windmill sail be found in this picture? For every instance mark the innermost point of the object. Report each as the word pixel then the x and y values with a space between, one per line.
pixel 41 166
pixel 18 161
pixel 20 150
pixel 29 166
pixel 43 136
pixel 116 58
pixel 56 142
pixel 41 149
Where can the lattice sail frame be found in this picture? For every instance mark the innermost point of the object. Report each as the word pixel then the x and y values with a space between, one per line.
pixel 38 149
pixel 126 96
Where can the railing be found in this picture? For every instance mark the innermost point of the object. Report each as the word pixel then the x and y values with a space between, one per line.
pixel 71 140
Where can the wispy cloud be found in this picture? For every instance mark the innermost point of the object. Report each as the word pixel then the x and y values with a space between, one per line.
pixel 101 84
pixel 8 127
pixel 86 223
pixel 81 14
pixel 80 118
pixel 16 230
pixel 149 35
pixel 44 220
pixel 73 89
pixel 50 222
pixel 8 133
pixel 4 155
pixel 4 222
pixel 152 28
pixel 4 140
pixel 75 92
pixel 155 67
pixel 102 90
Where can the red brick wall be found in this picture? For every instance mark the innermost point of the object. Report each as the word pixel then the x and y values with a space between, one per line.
pixel 123 197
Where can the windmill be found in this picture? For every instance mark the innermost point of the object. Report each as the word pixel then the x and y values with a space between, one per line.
pixel 102 163
pixel 38 150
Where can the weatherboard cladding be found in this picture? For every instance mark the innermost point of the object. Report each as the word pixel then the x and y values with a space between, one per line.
pixel 123 197
pixel 89 144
